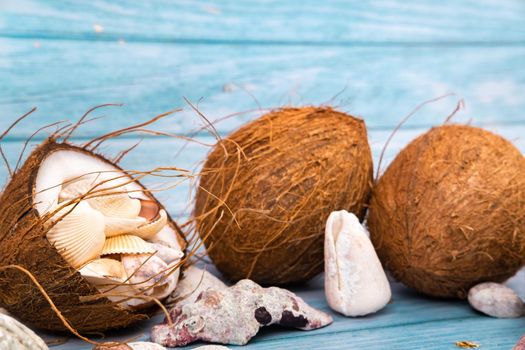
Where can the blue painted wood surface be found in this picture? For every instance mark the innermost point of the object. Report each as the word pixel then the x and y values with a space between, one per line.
pixel 375 60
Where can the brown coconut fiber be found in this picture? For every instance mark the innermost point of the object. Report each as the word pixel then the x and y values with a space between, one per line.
pixel 23 243
pixel 267 189
pixel 449 212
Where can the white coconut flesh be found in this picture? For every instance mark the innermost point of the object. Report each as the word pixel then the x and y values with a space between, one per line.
pixel 80 234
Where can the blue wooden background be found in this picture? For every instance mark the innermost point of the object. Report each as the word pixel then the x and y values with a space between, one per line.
pixel 376 60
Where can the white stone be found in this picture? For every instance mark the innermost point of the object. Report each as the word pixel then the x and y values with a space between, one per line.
pixel 496 300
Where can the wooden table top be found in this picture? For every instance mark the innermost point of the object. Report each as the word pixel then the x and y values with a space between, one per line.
pixel 377 61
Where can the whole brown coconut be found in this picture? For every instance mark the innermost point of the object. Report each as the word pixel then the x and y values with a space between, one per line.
pixel 267 190
pixel 23 242
pixel 449 211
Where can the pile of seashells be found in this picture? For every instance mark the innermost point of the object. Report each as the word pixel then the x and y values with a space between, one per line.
pixel 118 243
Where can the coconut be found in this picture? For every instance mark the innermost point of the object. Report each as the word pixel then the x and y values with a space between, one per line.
pixel 266 191
pixel 30 239
pixel 448 212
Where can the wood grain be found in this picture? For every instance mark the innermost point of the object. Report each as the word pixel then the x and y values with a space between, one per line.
pixel 297 22
pixel 411 321
pixel 377 60
pixel 66 78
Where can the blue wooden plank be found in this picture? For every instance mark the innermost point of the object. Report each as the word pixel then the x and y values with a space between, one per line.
pixel 411 321
pixel 302 22
pixel 65 78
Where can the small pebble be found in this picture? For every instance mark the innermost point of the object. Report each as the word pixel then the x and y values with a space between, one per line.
pixel 496 300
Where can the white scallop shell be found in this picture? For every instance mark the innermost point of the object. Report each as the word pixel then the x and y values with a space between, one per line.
pixel 150 274
pixel 79 235
pixel 127 244
pixel 103 271
pixel 110 278
pixel 117 226
pixel 119 205
pixel 150 229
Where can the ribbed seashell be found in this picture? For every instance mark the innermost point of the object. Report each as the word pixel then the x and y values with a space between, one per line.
pixel 127 244
pixel 117 226
pixel 103 271
pixel 150 274
pixel 152 228
pixel 119 205
pixel 79 235
pixel 110 278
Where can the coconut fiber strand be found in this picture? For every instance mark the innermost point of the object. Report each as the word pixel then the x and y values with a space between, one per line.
pixel 23 242
pixel 449 212
pixel 267 190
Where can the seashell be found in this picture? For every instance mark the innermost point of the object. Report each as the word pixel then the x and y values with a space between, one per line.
pixel 167 237
pixel 109 276
pixel 103 271
pixel 355 282
pixel 74 189
pixel 79 235
pixel 167 254
pixel 127 244
pixel 152 228
pixel 117 225
pixel 15 336
pixel 150 274
pixel 119 205
pixel 149 209
pixel 193 282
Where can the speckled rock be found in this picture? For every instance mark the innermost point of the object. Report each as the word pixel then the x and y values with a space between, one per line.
pixel 234 315
pixel 496 300
pixel 520 345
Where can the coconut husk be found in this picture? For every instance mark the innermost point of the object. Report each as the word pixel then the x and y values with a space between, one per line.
pixel 23 243
pixel 266 191
pixel 448 213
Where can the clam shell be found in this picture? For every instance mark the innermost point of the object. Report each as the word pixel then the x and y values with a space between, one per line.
pixel 109 276
pixel 79 235
pixel 152 228
pixel 117 226
pixel 127 244
pixel 119 205
pixel 103 271
pixel 150 274
pixel 167 254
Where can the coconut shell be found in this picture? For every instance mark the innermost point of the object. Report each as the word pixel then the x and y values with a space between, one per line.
pixel 267 189
pixel 448 213
pixel 23 242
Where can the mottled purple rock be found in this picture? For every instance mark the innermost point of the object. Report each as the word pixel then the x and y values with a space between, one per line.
pixel 520 345
pixel 234 315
